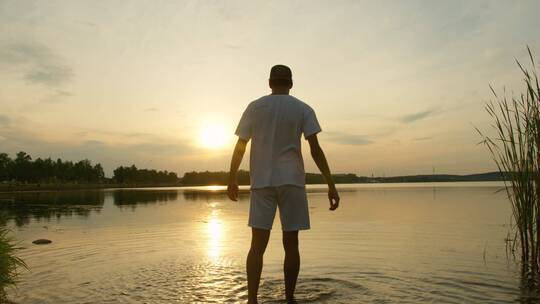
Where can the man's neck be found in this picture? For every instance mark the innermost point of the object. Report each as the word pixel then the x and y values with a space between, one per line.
pixel 280 91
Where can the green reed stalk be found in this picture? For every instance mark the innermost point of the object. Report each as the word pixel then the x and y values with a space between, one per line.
pixel 516 152
pixel 9 262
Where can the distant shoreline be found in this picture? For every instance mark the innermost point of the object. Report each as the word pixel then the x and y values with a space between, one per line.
pixel 311 179
pixel 17 187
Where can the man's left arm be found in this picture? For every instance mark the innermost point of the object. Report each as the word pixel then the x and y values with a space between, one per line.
pixel 238 154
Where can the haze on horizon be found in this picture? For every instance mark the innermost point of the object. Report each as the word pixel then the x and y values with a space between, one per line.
pixel 397 86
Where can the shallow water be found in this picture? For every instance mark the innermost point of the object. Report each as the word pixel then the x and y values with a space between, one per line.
pixel 387 243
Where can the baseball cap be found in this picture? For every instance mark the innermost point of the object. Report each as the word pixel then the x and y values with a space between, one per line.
pixel 280 72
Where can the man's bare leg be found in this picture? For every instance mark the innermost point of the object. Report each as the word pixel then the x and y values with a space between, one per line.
pixel 254 263
pixel 291 266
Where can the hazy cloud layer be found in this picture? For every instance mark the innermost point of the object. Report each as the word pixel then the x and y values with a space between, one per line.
pixel 4 120
pixel 143 150
pixel 409 118
pixel 109 155
pixel 36 63
pixel 343 138
pixel 56 96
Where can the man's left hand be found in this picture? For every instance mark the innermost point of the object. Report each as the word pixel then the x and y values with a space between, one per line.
pixel 232 191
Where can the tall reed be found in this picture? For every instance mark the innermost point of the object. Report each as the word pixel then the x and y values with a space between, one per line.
pixel 516 152
pixel 9 263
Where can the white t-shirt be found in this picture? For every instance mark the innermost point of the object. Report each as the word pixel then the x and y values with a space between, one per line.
pixel 275 124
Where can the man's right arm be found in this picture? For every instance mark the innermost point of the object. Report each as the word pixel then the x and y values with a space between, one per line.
pixel 238 154
pixel 320 159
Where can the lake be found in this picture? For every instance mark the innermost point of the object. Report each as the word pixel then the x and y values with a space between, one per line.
pixel 387 243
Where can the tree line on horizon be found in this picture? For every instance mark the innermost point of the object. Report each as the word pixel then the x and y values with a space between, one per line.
pixel 23 169
pixel 132 174
pixel 221 178
pixel 213 178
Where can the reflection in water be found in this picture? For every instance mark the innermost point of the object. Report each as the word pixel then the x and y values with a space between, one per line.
pixel 23 206
pixel 214 188
pixel 134 197
pixel 191 249
pixel 213 195
pixel 215 234
pixel 529 287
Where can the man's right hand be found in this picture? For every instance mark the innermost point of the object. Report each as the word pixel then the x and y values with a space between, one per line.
pixel 232 191
pixel 333 197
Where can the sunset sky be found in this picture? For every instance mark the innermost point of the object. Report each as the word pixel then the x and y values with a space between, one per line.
pixel 398 86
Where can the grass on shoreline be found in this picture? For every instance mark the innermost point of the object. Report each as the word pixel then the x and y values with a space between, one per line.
pixel 516 149
pixel 10 264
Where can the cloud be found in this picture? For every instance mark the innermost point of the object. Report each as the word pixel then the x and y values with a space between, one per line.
pixel 347 139
pixel 109 148
pixel 409 118
pixel 37 63
pixel 56 97
pixel 48 75
pixel 138 134
pixel 4 120
pixel 233 46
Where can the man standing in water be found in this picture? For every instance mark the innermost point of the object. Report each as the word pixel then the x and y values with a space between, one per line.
pixel 275 124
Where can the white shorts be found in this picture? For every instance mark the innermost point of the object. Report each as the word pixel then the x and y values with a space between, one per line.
pixel 292 203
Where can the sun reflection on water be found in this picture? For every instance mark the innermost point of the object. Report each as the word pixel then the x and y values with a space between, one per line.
pixel 214 188
pixel 215 235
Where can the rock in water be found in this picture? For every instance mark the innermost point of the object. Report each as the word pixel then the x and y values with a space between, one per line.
pixel 42 242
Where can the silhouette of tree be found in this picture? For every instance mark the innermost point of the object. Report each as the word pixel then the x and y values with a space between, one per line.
pixel 133 175
pixel 23 169
pixel 5 166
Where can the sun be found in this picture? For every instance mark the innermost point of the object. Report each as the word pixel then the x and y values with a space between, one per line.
pixel 213 136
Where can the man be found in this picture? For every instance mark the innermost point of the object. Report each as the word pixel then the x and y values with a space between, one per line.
pixel 275 124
